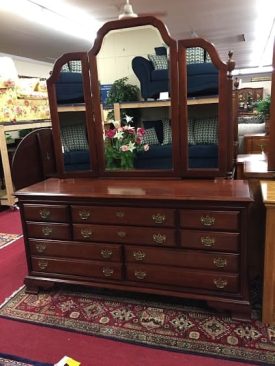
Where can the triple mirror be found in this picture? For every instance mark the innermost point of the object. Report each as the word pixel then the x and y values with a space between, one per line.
pixel 138 103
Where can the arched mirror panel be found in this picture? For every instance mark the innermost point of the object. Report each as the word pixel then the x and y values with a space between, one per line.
pixel 137 89
pixel 205 118
pixel 71 111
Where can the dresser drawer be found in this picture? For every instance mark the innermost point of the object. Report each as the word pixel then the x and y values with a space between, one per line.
pixel 123 216
pixel 109 271
pixel 183 258
pixel 69 249
pixel 124 234
pixel 57 213
pixel 211 240
pixel 210 220
pixel 175 276
pixel 49 230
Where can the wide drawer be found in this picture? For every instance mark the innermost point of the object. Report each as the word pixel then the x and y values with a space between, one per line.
pixel 95 251
pixel 111 271
pixel 211 240
pixel 175 276
pixel 57 213
pixel 49 230
pixel 183 258
pixel 210 220
pixel 124 234
pixel 123 215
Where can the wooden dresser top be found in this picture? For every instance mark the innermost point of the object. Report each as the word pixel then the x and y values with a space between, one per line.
pixel 203 190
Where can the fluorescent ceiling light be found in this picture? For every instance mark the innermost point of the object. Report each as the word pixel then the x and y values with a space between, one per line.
pixel 264 33
pixel 55 15
pixel 253 70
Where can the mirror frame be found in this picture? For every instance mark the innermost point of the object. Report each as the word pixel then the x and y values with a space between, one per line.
pixel 89 113
pixel 172 44
pixel 225 124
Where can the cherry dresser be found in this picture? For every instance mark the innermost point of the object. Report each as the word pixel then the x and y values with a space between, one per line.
pixel 178 238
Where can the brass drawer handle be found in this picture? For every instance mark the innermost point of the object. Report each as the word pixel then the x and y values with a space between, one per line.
pixel 47 231
pixel 220 283
pixel 207 220
pixel 121 234
pixel 140 275
pixel 120 214
pixel 42 264
pixel 159 238
pixel 207 241
pixel 44 213
pixel 86 233
pixel 159 218
pixel 84 214
pixel 139 255
pixel 40 247
pixel 220 262
pixel 106 253
pixel 108 272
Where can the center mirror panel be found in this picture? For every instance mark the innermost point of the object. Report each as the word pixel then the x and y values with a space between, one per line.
pixel 134 78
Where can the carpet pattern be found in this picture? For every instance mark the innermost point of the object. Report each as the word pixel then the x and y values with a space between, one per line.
pixel 8 360
pixel 7 239
pixel 172 327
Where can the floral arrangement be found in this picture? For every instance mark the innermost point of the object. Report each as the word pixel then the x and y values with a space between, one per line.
pixel 121 145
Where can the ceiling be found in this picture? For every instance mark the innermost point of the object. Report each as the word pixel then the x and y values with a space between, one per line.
pixel 227 24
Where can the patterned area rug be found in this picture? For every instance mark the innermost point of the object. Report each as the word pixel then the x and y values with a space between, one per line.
pixel 8 360
pixel 7 239
pixel 162 325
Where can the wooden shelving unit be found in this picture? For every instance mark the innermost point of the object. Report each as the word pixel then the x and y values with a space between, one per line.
pixel 8 198
pixel 159 104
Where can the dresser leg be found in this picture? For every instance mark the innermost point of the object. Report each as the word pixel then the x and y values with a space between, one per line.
pixel 241 311
pixel 33 285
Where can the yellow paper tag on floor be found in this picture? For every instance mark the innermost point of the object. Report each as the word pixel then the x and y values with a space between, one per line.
pixel 67 361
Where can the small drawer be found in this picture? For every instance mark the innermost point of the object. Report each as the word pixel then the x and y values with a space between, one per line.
pixel 55 213
pixel 210 220
pixel 184 278
pixel 49 230
pixel 69 249
pixel 123 216
pixel 210 240
pixel 108 271
pixel 183 258
pixel 124 234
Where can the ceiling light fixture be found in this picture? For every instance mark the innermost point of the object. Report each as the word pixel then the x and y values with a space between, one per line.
pixel 55 15
pixel 127 11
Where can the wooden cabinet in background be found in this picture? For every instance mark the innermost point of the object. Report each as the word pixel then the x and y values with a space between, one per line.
pixel 256 143
pixel 247 98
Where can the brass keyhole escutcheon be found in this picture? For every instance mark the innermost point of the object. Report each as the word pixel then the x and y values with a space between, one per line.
pixel 220 262
pixel 121 234
pixel 220 283
pixel 42 264
pixel 140 275
pixel 139 255
pixel 108 272
pixel 120 214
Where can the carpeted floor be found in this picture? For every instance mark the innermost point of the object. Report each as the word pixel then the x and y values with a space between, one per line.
pixel 162 325
pixel 7 239
pixel 9 360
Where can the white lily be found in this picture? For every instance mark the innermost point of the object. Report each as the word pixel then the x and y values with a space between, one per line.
pixel 128 119
pixel 131 146
pixel 119 135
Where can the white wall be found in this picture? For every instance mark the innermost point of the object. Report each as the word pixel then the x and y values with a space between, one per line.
pixel 29 67
pixel 120 47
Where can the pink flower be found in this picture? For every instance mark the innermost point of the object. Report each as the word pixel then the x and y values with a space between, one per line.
pixel 124 148
pixel 146 147
pixel 139 140
pixel 110 133
pixel 140 131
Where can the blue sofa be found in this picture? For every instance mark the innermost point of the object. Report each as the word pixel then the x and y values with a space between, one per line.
pixel 202 77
